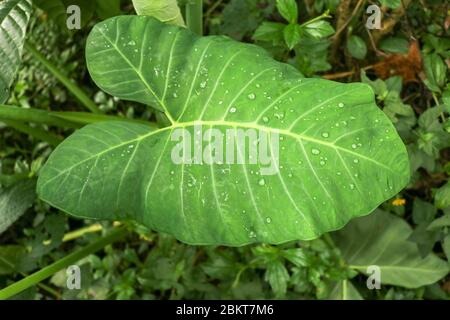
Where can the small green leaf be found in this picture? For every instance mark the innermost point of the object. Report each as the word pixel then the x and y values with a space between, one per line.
pixel 288 10
pixel 395 45
pixel 318 29
pixel 277 276
pixel 442 196
pixel 440 222
pixel 296 256
pixel 391 4
pixel 14 17
pixel 381 239
pixel 270 31
pixel 435 71
pixel 14 201
pixel 291 34
pixel 357 47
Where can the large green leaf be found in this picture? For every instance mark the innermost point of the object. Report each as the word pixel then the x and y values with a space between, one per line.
pixel 381 239
pixel 14 17
pixel 339 156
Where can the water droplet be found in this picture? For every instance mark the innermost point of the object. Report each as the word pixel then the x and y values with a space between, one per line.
pixel 262 182
pixel 132 43
pixel 354 146
pixel 325 134
pixel 268 220
pixel 340 105
pixel 315 151
pixel 232 110
pixel 322 163
pixel 203 84
pixel 251 96
pixel 355 160
pixel 352 186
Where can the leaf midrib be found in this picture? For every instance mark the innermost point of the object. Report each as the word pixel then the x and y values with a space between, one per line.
pixel 246 125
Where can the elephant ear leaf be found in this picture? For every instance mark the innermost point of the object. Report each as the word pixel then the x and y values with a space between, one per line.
pixel 337 157
pixel 381 240
pixel 14 17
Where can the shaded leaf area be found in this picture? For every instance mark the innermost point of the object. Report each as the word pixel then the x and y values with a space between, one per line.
pixel 381 239
pixel 333 142
pixel 14 201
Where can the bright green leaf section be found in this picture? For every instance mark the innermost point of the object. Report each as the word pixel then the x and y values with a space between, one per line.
pixel 164 10
pixel 344 290
pixel 288 9
pixel 339 156
pixel 381 239
pixel 14 17
pixel 14 201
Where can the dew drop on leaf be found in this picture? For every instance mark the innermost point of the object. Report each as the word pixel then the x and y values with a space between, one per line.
pixel 251 96
pixel 315 151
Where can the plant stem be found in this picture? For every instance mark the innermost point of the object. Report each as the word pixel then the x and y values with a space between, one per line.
pixel 62 119
pixel 72 87
pixel 37 133
pixel 48 271
pixel 33 115
pixel 324 15
pixel 194 16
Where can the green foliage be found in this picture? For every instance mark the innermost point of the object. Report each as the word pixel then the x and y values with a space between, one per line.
pixel 328 155
pixel 12 38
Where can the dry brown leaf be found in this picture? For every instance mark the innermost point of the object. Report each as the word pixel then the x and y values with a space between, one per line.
pixel 408 66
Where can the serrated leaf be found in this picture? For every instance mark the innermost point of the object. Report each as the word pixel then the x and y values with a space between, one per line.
pixel 339 158
pixel 381 239
pixel 14 18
